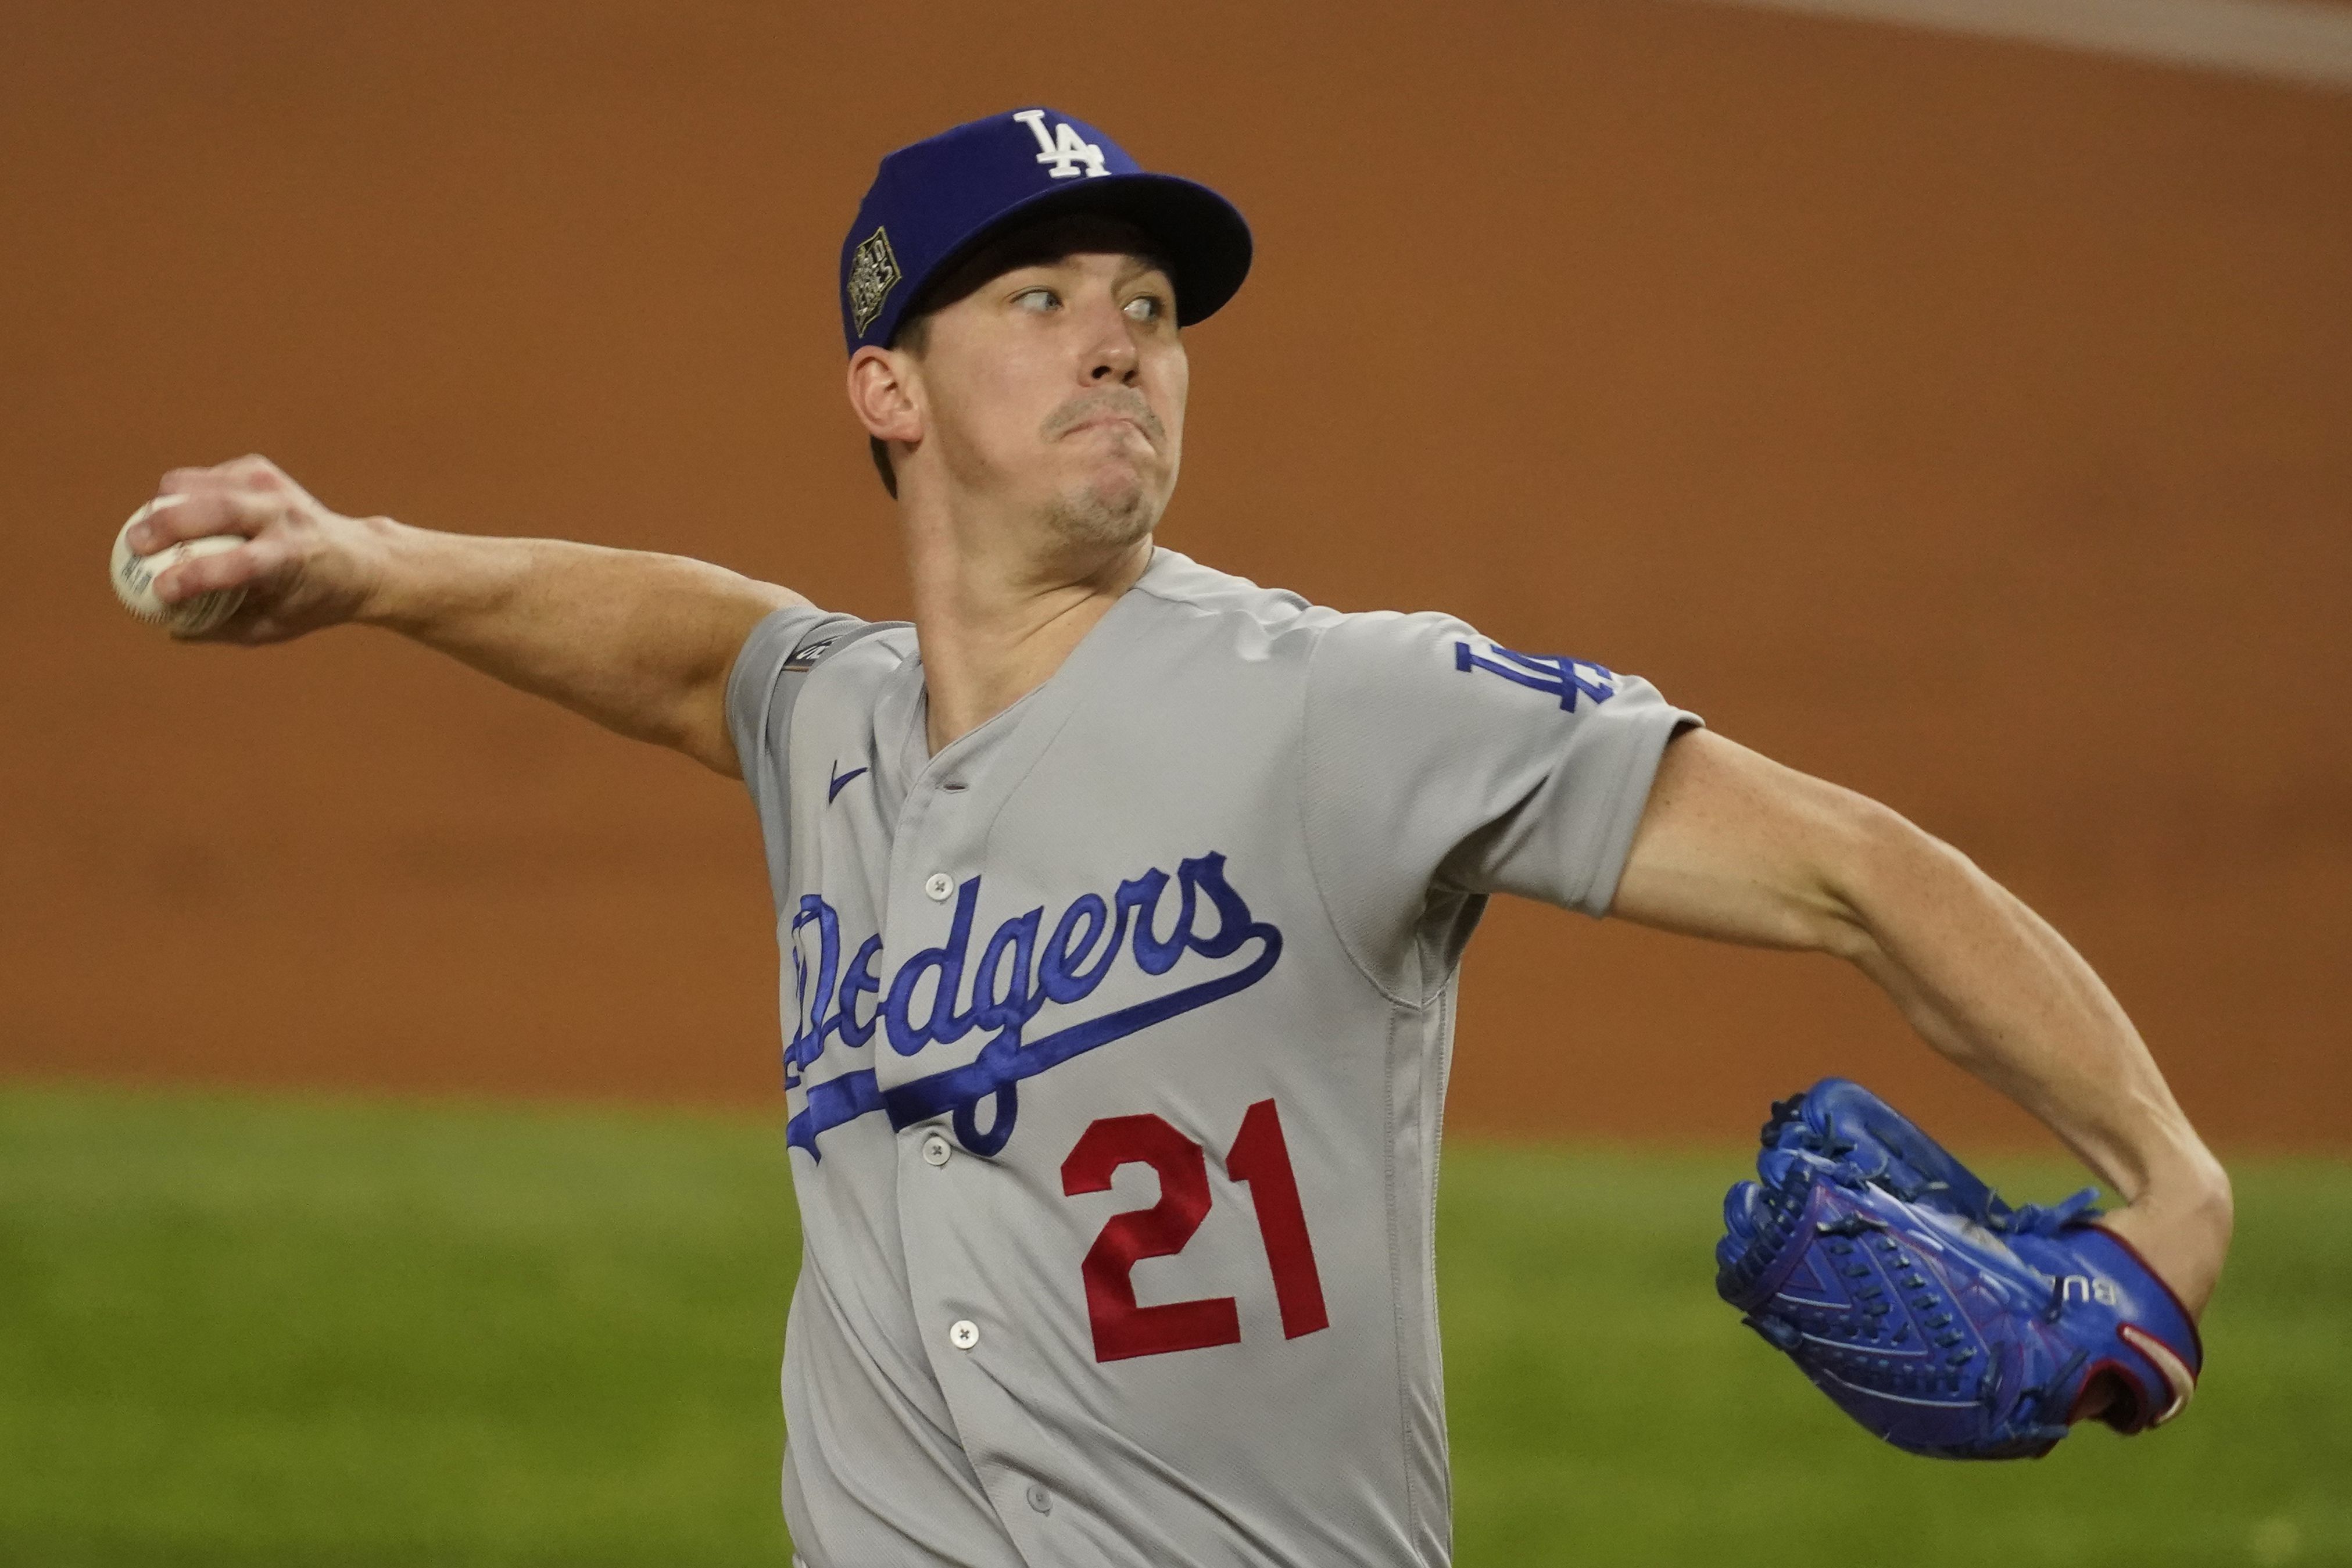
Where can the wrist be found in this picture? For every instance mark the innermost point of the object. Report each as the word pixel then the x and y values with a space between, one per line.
pixel 2180 1224
pixel 2188 1181
pixel 389 577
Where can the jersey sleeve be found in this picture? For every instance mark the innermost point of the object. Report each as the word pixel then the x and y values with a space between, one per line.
pixel 1440 767
pixel 759 697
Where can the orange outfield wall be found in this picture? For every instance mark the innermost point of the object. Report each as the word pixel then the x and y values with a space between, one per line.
pixel 1965 422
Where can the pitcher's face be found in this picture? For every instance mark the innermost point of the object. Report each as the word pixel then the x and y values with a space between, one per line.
pixel 1056 386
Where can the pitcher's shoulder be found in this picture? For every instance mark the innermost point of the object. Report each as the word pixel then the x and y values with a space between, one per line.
pixel 849 666
pixel 1179 592
pixel 845 650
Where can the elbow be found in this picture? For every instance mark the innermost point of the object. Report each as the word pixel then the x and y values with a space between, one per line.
pixel 1874 862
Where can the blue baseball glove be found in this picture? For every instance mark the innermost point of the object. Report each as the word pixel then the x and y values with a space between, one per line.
pixel 1943 1320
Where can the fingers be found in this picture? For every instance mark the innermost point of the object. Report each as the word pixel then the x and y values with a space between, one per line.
pixel 251 565
pixel 202 513
pixel 241 496
pixel 252 471
pixel 192 512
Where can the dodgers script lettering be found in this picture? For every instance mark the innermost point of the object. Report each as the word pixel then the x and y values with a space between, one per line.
pixel 940 994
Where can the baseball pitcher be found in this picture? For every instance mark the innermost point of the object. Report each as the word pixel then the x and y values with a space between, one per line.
pixel 1121 904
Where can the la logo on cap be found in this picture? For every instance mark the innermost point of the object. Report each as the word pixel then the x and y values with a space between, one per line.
pixel 1064 149
pixel 934 201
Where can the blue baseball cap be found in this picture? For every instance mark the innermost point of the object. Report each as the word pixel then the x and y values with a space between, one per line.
pixel 936 202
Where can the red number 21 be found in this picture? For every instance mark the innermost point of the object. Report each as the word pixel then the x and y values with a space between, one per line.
pixel 1259 1161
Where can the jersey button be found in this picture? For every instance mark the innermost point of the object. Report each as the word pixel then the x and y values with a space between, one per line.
pixel 936 1150
pixel 1040 1498
pixel 964 1333
pixel 938 886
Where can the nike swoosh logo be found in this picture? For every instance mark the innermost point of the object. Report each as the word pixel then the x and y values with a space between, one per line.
pixel 840 781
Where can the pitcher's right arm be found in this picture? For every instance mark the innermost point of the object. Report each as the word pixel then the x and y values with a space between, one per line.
pixel 641 643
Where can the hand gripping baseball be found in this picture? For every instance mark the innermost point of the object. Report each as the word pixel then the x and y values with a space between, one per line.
pixel 1943 1320
pixel 301 566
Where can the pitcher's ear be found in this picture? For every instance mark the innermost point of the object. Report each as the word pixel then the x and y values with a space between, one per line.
pixel 882 394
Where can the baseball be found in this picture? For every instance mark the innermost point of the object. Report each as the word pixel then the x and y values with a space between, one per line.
pixel 134 576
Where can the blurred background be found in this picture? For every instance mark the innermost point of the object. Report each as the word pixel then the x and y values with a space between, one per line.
pixel 1949 398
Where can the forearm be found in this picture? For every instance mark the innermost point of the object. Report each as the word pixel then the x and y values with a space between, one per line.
pixel 640 642
pixel 1989 983
pixel 1737 847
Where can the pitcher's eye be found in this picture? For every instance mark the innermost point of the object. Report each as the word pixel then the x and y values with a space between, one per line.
pixel 1040 300
pixel 1146 308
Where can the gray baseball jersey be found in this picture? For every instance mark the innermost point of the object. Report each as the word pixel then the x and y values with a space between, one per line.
pixel 1116 1038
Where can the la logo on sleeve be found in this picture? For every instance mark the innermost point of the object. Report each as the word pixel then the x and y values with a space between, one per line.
pixel 1555 674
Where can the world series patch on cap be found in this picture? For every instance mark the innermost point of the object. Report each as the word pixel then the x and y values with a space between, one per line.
pixel 936 202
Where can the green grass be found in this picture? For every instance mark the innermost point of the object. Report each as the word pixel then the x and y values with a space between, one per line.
pixel 1607 1409
pixel 261 1332
pixel 275 1332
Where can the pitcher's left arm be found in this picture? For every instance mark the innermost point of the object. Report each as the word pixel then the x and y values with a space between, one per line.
pixel 1735 846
